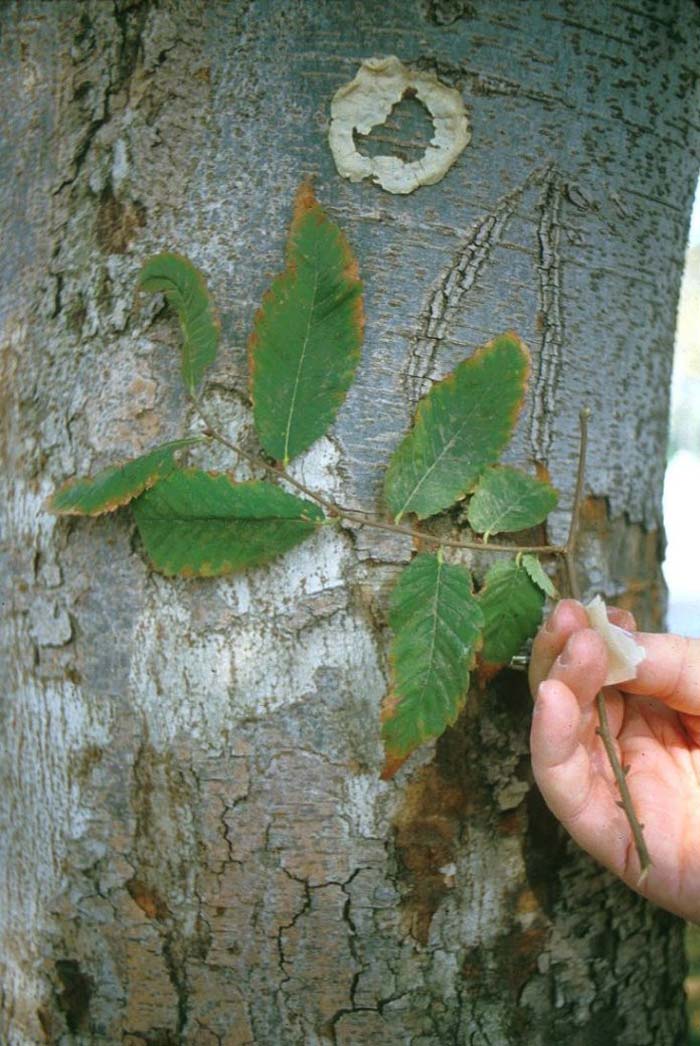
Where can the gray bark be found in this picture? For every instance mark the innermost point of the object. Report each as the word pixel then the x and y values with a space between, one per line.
pixel 198 848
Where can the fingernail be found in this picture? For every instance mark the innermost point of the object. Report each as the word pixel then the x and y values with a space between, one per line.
pixel 563 659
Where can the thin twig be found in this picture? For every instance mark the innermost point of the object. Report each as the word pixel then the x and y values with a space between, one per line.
pixel 625 803
pixel 570 547
pixel 604 728
pixel 277 470
pixel 354 516
pixel 432 539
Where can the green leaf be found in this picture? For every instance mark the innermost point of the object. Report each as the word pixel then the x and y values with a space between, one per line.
pixel 116 486
pixel 536 573
pixel 186 291
pixel 437 623
pixel 508 500
pixel 202 524
pixel 305 343
pixel 512 606
pixel 461 426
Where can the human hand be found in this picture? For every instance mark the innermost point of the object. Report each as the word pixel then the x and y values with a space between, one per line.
pixel 656 731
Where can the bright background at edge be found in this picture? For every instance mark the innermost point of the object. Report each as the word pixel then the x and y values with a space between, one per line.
pixel 682 487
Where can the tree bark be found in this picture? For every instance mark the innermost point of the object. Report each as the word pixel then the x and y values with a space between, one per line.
pixel 198 848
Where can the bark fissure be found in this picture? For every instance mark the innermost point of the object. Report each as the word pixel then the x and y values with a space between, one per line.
pixel 547 376
pixel 447 297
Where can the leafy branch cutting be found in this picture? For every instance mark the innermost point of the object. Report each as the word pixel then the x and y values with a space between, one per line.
pixel 303 352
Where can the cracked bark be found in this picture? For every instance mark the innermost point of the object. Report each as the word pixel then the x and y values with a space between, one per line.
pixel 198 848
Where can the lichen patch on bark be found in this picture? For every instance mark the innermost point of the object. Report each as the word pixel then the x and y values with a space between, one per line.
pixel 367 101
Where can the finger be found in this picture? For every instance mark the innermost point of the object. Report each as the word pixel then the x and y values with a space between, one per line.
pixel 560 762
pixel 601 828
pixel 582 666
pixel 670 671
pixel 622 618
pixel 691 725
pixel 567 617
pixel 556 718
pixel 575 793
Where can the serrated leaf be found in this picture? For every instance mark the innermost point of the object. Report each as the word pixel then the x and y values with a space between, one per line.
pixel 186 291
pixel 437 625
pixel 305 343
pixel 512 606
pixel 507 499
pixel 461 426
pixel 116 486
pixel 537 574
pixel 203 524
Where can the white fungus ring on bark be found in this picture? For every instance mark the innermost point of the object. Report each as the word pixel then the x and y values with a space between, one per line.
pixel 624 654
pixel 367 101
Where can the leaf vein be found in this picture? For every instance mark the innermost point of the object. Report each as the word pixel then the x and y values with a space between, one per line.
pixel 300 364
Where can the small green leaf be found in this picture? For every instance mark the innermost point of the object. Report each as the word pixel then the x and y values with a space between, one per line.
pixel 508 500
pixel 202 524
pixel 461 426
pixel 116 486
pixel 437 623
pixel 512 606
pixel 186 291
pixel 306 338
pixel 536 572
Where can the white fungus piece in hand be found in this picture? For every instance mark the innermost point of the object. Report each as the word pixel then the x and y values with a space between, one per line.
pixel 624 654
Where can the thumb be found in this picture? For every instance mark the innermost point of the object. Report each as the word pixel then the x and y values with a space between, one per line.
pixel 670 671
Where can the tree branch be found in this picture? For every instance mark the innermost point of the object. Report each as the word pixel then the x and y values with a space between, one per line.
pixel 277 470
pixel 360 519
pixel 604 728
pixel 625 803
pixel 570 547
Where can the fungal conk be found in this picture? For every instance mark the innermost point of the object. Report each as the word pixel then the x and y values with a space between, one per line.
pixel 624 654
pixel 367 101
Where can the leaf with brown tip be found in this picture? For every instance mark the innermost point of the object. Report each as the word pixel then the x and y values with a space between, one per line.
pixel 204 524
pixel 185 289
pixel 437 629
pixel 118 485
pixel 305 344
pixel 461 426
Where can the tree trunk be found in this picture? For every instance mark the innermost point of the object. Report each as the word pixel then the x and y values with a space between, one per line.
pixel 198 846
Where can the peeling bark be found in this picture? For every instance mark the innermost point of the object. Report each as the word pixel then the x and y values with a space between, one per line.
pixel 198 848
